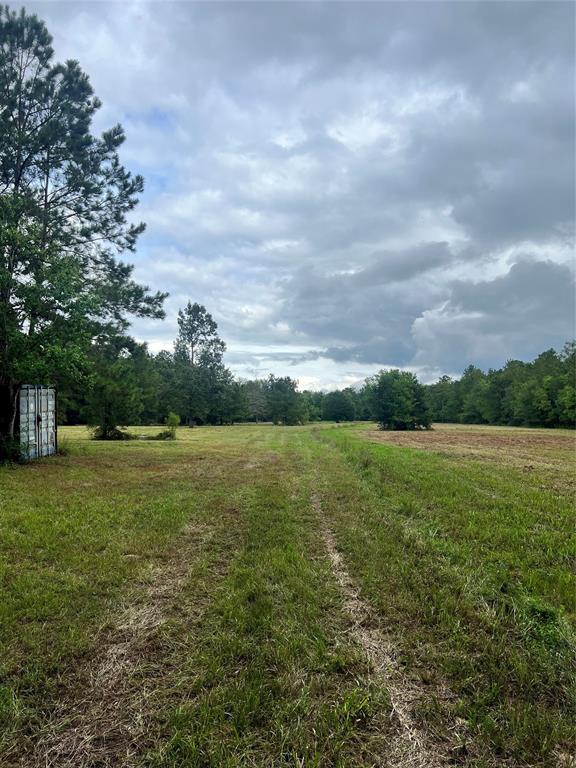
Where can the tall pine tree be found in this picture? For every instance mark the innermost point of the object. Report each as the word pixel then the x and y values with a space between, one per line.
pixel 64 205
pixel 198 352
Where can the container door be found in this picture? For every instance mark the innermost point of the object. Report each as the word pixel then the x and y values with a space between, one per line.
pixel 28 432
pixel 46 427
pixel 51 422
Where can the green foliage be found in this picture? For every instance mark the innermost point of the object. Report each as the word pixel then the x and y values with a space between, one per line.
pixel 338 406
pixel 111 433
pixel 199 375
pixel 172 422
pixel 398 400
pixel 255 399
pixel 10 450
pixel 166 434
pixel 115 396
pixel 537 394
pixel 129 385
pixel 198 342
pixel 312 404
pixel 284 404
pixel 65 208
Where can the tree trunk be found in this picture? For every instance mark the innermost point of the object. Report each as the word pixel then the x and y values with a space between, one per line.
pixel 8 409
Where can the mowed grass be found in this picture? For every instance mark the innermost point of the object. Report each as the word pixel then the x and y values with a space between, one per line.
pixel 261 673
pixel 464 548
pixel 471 562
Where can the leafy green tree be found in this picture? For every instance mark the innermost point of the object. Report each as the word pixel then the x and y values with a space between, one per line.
pixel 443 400
pixel 540 394
pixel 567 406
pixel 493 404
pixel 198 341
pixel 115 396
pixel 547 363
pixel 170 396
pixel 567 391
pixel 511 377
pixel 65 201
pixel 230 403
pixel 149 383
pixel 532 405
pixel 284 403
pixel 338 406
pixel 362 410
pixel 312 404
pixel 472 388
pixel 398 401
pixel 256 400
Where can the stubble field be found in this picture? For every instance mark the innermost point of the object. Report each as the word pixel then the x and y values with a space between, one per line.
pixel 300 596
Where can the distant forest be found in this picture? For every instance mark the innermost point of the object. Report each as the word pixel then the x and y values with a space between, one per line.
pixel 130 385
pixel 537 394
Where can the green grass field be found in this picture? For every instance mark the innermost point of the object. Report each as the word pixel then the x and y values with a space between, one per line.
pixel 290 596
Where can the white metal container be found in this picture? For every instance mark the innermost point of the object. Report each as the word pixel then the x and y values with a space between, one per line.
pixel 37 421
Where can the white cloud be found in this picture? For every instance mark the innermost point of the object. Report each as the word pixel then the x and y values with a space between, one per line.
pixel 345 176
pixel 359 131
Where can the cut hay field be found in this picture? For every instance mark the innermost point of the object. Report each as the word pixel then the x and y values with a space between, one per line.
pixel 323 596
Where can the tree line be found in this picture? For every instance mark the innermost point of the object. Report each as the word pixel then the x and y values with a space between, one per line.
pixel 130 385
pixel 541 393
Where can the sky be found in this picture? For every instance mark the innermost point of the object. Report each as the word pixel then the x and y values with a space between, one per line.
pixel 345 186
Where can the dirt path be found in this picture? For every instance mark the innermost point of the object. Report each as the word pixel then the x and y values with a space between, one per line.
pixel 411 747
pixel 104 709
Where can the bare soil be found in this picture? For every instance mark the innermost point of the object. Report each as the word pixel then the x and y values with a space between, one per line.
pixel 523 449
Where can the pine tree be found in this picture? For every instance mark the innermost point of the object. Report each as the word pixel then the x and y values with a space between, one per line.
pixel 198 353
pixel 64 205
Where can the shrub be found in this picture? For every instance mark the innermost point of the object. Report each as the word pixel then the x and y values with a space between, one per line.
pixel 64 447
pixel 10 450
pixel 99 433
pixel 166 434
pixel 172 421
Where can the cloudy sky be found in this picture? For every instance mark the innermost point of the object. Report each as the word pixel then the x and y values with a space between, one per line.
pixel 346 185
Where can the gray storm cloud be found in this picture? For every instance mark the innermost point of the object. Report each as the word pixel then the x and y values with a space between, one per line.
pixel 347 185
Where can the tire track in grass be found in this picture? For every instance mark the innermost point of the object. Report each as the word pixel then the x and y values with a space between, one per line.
pixel 102 718
pixel 274 680
pixel 410 747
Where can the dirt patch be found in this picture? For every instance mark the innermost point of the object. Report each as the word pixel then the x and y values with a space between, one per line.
pixel 564 760
pixel 524 449
pixel 468 437
pixel 103 708
pixel 411 747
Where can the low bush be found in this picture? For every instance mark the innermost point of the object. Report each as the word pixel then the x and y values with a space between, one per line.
pixel 64 447
pixel 111 434
pixel 166 434
pixel 10 450
pixel 172 422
